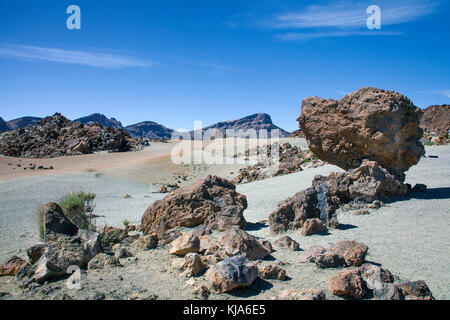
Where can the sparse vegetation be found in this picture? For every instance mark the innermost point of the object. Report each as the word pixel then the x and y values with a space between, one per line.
pixel 40 222
pixel 126 222
pixel 79 207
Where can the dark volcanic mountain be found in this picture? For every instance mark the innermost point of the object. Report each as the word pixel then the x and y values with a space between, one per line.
pixel 149 129
pixel 100 119
pixel 3 125
pixel 22 122
pixel 256 121
pixel 436 118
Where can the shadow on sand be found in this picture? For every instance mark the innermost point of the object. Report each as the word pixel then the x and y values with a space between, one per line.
pixel 430 194
pixel 256 288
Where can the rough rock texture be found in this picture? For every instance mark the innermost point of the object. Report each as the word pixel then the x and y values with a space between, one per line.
pixel 65 245
pixel 365 184
pixel 213 202
pixel 236 241
pixel 57 136
pixel 297 134
pixel 35 252
pixel 145 243
pixel 62 251
pixel 272 272
pixel 293 212
pixel 313 226
pixel 231 273
pixel 56 222
pixel 436 119
pixel 192 265
pixel 417 290
pixel 102 261
pixel 347 283
pixel 185 244
pixel 344 253
pixel 297 294
pixel 288 242
pixel 12 266
pixel 369 124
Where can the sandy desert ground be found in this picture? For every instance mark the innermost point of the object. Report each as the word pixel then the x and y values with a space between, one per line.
pixel 409 236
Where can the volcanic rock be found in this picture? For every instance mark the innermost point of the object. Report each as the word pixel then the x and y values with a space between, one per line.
pixel 347 283
pixel 313 226
pixel 185 244
pixel 12 266
pixel 58 136
pixel 365 184
pixel 297 294
pixel 369 124
pixel 231 273
pixel 288 242
pixel 102 261
pixel 35 252
pixel 343 253
pixel 236 241
pixel 272 272
pixel 213 202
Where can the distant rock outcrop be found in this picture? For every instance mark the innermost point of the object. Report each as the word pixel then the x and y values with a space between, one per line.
pixel 22 122
pixel 436 119
pixel 100 119
pixel 149 129
pixel 58 136
pixel 256 121
pixel 369 124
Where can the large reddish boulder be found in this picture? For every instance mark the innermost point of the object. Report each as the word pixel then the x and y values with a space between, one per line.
pixel 213 202
pixel 369 124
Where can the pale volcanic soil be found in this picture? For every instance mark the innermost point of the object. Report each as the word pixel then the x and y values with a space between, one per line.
pixel 409 236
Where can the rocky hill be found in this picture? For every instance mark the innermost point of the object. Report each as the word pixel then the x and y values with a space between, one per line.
pixel 436 118
pixel 149 129
pixel 100 119
pixel 256 121
pixel 58 136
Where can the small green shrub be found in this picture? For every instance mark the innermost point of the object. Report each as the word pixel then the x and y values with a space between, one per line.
pixel 126 222
pixel 40 222
pixel 78 208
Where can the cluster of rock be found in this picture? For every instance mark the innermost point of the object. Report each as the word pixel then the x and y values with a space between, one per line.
pixel 289 159
pixel 58 136
pixel 316 206
pixel 372 133
pixel 66 245
pixel 230 262
pixel 360 279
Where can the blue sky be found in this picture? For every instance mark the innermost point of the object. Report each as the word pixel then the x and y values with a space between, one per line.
pixel 174 62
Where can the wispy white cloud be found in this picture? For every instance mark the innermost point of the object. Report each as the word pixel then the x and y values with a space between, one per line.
pixel 346 18
pixel 298 36
pixel 87 58
pixel 443 92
